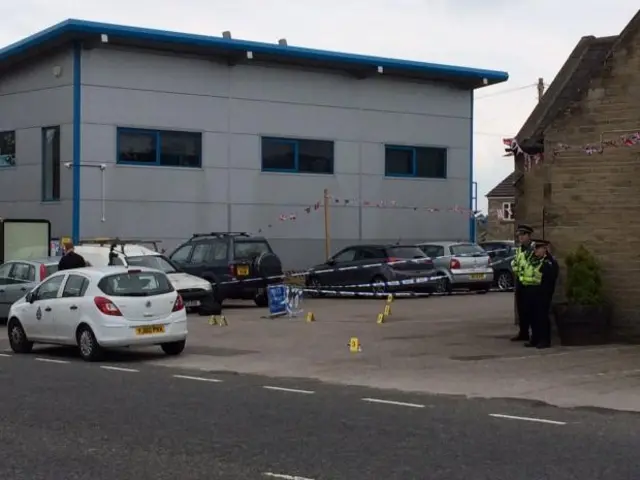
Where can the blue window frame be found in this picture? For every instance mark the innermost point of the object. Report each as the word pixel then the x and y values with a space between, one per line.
pixel 50 164
pixel 7 149
pixel 419 162
pixel 297 155
pixel 159 148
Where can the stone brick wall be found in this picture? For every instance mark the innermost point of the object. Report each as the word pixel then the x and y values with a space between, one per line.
pixel 498 229
pixel 594 200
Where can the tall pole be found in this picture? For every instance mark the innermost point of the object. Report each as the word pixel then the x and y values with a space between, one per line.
pixel 327 239
pixel 540 88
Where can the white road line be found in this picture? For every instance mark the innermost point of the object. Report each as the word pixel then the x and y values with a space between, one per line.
pixel 291 390
pixel 285 477
pixel 50 360
pixel 527 419
pixel 199 379
pixel 391 402
pixel 4 355
pixel 119 369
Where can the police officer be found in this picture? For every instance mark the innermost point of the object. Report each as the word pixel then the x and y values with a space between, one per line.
pixel 521 259
pixel 546 273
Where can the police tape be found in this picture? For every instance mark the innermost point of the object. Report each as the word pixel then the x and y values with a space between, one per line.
pixel 324 271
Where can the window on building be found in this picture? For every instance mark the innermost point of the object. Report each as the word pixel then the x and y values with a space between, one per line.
pixel 159 147
pixel 50 164
pixel 507 212
pixel 421 162
pixel 297 155
pixel 7 149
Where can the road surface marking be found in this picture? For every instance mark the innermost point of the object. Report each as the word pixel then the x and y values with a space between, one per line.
pixel 118 369
pixel 527 419
pixel 200 379
pixel 4 355
pixel 285 477
pixel 391 402
pixel 291 390
pixel 51 360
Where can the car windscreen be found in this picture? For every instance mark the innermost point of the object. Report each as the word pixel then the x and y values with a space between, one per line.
pixel 50 269
pixel 405 252
pixel 152 261
pixel 468 249
pixel 135 284
pixel 250 249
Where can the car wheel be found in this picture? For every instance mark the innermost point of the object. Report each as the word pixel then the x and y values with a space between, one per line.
pixel 379 285
pixel 173 348
pixel 443 285
pixel 90 349
pixel 505 281
pixel 18 338
pixel 261 299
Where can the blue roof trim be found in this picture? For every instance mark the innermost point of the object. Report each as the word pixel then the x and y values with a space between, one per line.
pixel 73 26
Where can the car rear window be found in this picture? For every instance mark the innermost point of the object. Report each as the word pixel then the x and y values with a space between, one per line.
pixel 250 249
pixel 467 249
pixel 405 252
pixel 138 284
pixel 51 269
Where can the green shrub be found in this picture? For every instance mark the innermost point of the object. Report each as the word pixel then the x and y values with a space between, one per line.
pixel 584 278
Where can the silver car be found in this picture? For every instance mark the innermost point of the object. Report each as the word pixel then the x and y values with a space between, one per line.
pixel 460 265
pixel 18 277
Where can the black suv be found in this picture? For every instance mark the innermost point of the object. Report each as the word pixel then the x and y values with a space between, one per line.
pixel 238 265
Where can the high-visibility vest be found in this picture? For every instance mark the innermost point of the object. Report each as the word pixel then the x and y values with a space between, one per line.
pixel 521 257
pixel 531 273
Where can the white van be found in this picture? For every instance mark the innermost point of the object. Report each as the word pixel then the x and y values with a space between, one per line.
pixel 195 291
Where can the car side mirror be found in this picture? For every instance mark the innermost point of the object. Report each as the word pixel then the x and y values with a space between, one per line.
pixel 331 261
pixel 30 297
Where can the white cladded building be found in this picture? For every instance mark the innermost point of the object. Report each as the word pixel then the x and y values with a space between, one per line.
pixel 110 130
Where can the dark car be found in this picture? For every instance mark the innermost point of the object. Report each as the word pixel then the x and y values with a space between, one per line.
pixel 238 265
pixel 501 253
pixel 356 260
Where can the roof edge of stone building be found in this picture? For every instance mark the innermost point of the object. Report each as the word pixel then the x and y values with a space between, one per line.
pixel 505 189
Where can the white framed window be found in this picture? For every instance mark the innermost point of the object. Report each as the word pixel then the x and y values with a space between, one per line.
pixel 508 212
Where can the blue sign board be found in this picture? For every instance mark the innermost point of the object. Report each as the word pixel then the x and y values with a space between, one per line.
pixel 277 296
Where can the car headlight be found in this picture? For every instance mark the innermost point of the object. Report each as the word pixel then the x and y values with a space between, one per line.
pixel 207 286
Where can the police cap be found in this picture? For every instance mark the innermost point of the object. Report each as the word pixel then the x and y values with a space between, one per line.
pixel 524 229
pixel 539 243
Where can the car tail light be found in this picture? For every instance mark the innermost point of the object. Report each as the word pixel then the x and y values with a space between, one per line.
pixel 107 307
pixel 232 270
pixel 43 272
pixel 454 264
pixel 178 305
pixel 394 259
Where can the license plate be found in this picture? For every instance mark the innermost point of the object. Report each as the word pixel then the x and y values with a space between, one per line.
pixel 477 276
pixel 243 270
pixel 149 330
pixel 192 303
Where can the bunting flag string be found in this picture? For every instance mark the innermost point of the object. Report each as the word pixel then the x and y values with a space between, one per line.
pixel 626 140
pixel 355 202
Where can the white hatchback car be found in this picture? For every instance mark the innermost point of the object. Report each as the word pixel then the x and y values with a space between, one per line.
pixel 98 308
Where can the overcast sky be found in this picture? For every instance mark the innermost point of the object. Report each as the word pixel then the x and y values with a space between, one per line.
pixel 527 38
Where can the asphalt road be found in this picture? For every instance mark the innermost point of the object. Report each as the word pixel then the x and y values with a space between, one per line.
pixel 62 419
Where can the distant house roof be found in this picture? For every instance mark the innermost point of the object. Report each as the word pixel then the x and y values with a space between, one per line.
pixel 235 50
pixel 585 62
pixel 505 189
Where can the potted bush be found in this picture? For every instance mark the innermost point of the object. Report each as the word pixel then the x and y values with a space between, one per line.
pixel 585 317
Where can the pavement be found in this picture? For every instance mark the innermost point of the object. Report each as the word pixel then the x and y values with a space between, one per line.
pixel 62 418
pixel 450 345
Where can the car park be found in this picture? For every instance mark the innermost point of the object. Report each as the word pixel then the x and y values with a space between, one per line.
pixel 374 265
pixel 240 266
pixel 99 308
pixel 501 253
pixel 460 265
pixel 195 291
pixel 17 277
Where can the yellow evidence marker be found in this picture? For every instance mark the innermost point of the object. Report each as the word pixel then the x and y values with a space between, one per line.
pixel 354 345
pixel 387 310
pixel 380 318
pixel 310 317
pixel 390 299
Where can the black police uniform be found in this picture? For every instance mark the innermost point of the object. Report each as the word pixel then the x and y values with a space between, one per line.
pixel 71 260
pixel 541 324
pixel 522 293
